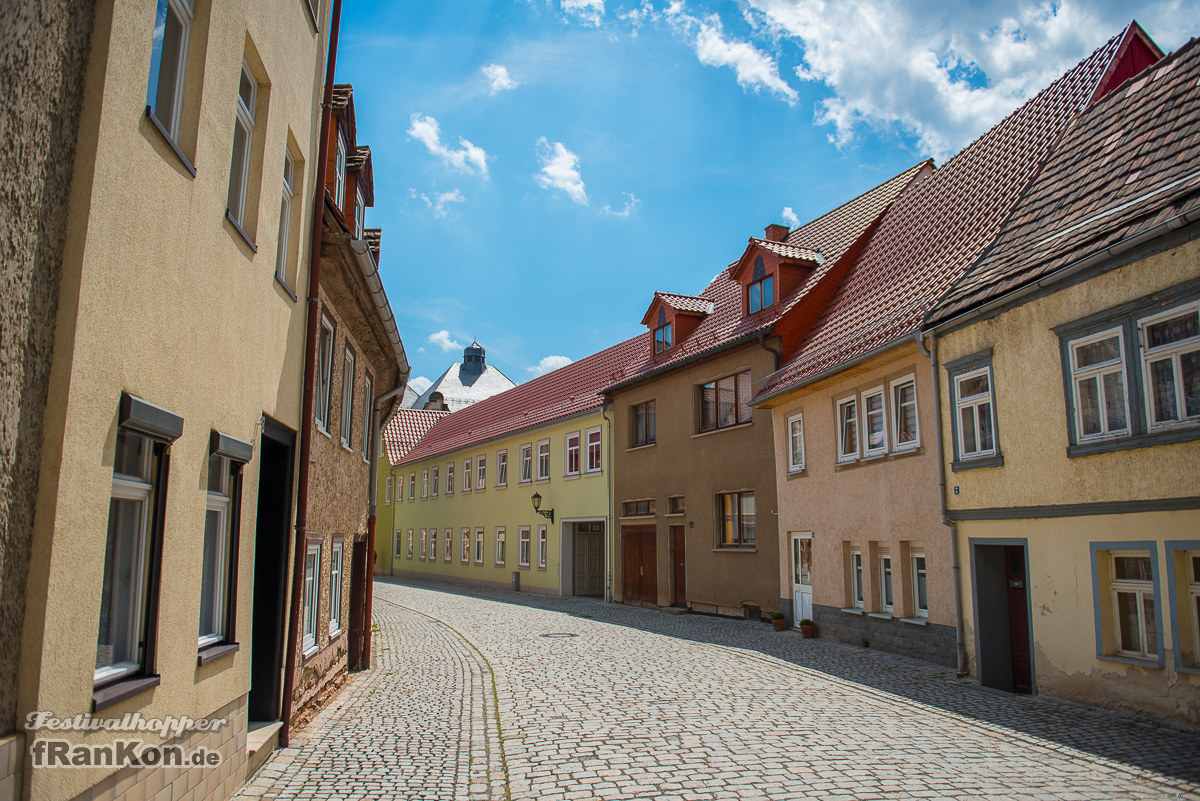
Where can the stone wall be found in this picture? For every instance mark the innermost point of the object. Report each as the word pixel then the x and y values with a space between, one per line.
pixel 930 642
pixel 43 53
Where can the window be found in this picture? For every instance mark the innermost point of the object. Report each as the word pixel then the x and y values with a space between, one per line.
pixel 523 546
pixel 725 402
pixel 285 218
pixel 448 554
pixel 847 436
pixel 168 63
pixel 467 475
pixel 543 460
pixel 387 491
pixel 856 578
pixel 675 505
pixel 885 582
pixel 219 558
pixel 324 374
pixel 1171 365
pixel 594 451
pixel 479 546
pixel 500 545
pixel 502 469
pixel 481 473
pixel 1189 622
pixel 643 423
pixel 412 486
pixel 126 595
pixel 466 545
pixel 974 418
pixel 919 589
pixel 433 552
pixel 433 490
pixel 761 294
pixel 526 464
pixel 874 423
pixel 347 396
pixel 905 429
pixel 541 547
pixel 399 535
pixel 312 581
pixel 450 478
pixel 1135 622
pixel 410 543
pixel 425 483
pixel 366 420
pixel 1098 382
pixel 638 508
pixel 339 171
pixel 421 553
pixel 243 139
pixel 795 436
pixel 662 338
pixel 335 588
pixel 360 214
pixel 573 454
pixel 735 517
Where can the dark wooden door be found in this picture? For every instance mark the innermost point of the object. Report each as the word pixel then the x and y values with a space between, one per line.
pixel 639 580
pixel 677 557
pixel 589 559
pixel 1018 617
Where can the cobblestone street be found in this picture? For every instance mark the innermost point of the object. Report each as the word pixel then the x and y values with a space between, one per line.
pixel 493 694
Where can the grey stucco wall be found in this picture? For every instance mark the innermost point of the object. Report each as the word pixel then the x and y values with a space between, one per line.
pixel 43 55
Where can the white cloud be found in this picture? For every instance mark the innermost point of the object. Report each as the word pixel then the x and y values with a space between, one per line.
pixel 944 75
pixel 754 69
pixel 498 78
pixel 468 158
pixel 560 170
pixel 420 384
pixel 590 12
pixel 548 364
pixel 789 217
pixel 631 204
pixel 442 340
pixel 438 201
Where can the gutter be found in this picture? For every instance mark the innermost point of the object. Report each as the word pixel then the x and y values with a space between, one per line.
pixel 837 368
pixel 666 368
pixel 310 375
pixel 370 272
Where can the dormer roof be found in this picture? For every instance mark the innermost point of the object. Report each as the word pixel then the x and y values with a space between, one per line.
pixel 679 304
pixel 359 162
pixel 783 250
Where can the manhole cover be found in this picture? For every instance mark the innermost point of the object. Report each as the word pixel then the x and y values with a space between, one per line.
pixel 559 634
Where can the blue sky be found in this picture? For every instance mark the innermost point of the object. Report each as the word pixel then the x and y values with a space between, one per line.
pixel 543 166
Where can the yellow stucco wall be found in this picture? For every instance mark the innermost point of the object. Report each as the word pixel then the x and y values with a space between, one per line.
pixel 162 298
pixel 583 498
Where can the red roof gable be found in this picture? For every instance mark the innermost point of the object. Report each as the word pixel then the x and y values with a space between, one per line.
pixel 405 428
pixel 565 392
pixel 681 304
pixel 929 237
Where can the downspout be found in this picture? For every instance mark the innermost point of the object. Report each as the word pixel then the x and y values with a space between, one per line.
pixel 395 489
pixel 762 342
pixel 376 413
pixel 310 372
pixel 960 638
pixel 611 555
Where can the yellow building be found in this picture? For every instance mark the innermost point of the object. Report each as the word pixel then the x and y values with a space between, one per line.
pixel 1069 361
pixel 461 504
pixel 174 395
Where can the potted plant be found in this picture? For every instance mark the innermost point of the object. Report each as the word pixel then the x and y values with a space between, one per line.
pixel 808 629
pixel 778 621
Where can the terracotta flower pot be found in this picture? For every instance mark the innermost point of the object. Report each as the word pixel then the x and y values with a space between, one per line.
pixel 808 631
pixel 780 623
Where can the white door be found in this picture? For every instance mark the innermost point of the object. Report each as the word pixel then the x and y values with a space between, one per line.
pixel 802 575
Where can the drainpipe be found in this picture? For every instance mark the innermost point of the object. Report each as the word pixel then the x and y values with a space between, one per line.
pixel 376 413
pixel 610 555
pixel 960 639
pixel 310 372
pixel 762 341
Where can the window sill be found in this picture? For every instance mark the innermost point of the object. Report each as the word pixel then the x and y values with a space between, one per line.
pixel 1149 664
pixel 853 610
pixel 311 652
pixel 241 231
pixel 736 549
pixel 722 430
pixel 1166 437
pixel 542 568
pixel 545 480
pixel 522 567
pixel 975 464
pixel 326 433
pixel 568 476
pixel 641 447
pixel 162 130
pixel 880 615
pixel 212 653
pixel 593 472
pixel 801 473
pixel 914 621
pixel 675 514
pixel 105 697
pixel 1191 670
pixel 637 518
pixel 279 282
pixel 501 486
pixel 334 634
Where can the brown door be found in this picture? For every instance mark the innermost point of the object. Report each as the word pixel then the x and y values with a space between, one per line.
pixel 677 554
pixel 639 581
pixel 1018 617
pixel 589 559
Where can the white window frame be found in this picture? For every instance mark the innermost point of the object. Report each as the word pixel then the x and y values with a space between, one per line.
pixel 897 414
pixel 1193 599
pixel 335 587
pixel 368 391
pixel 398 535
pixel 523 546
pixel 324 375
pixel 479 545
pixel 239 167
pixel 887 587
pixel 975 402
pixel 920 578
pixel 410 544
pixel 468 475
pixel 387 491
pixel 526 466
pixel 285 217
pixel 850 403
pixel 857 578
pixel 433 552
pixel 795 432
pixel 360 214
pixel 865 418
pixel 346 423
pixel 448 553
pixel 1097 372
pixel 219 500
pixel 412 486
pixel 481 472
pixel 576 450
pixel 339 168
pixel 502 468
pixel 1173 351
pixel 543 460
pixel 466 546
pixel 500 543
pixel 170 117
pixel 425 483
pixel 312 589
pixel 595 450
pixel 543 547
pixel 433 483
pixel 422 538
pixel 449 478
pixel 1140 589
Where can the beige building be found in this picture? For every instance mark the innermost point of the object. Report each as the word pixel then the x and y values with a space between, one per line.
pixel 174 394
pixel 1069 360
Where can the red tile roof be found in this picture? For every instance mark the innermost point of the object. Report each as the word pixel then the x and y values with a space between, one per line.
pixel 686 303
pixel 565 392
pixel 933 232
pixel 1131 162
pixel 405 428
pixel 833 235
pixel 789 251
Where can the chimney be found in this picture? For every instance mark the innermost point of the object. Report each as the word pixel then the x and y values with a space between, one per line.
pixel 776 233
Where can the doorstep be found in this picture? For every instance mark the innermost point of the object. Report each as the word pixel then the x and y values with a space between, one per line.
pixel 262 737
pixel 673 610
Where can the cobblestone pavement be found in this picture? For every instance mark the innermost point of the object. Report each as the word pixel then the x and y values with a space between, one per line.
pixel 490 693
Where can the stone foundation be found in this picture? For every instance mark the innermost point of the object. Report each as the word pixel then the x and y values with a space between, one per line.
pixel 12 763
pixel 927 641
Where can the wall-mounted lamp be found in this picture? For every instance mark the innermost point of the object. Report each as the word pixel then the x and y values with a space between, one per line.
pixel 537 507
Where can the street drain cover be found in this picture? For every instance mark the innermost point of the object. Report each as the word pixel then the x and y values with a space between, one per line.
pixel 559 634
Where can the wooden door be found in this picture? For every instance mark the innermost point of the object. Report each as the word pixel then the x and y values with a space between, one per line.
pixel 1018 617
pixel 639 580
pixel 649 567
pixel 589 559
pixel 677 556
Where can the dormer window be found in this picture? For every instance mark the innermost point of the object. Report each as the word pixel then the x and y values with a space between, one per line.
pixel 339 168
pixel 360 213
pixel 761 294
pixel 662 338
